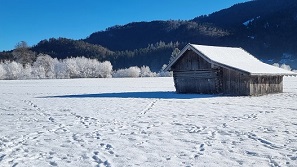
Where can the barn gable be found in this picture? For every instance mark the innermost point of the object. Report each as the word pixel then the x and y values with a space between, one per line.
pixel 209 69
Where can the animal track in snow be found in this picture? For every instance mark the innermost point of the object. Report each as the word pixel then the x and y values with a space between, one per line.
pixel 196 129
pixel 263 141
pixel 34 106
pixel 150 107
pixel 2 157
pixel 100 161
pixel 52 163
pixel 86 121
pixel 51 119
pixel 202 147
pixel 107 147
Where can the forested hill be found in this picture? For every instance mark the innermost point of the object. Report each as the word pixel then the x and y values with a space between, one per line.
pixel 140 34
pixel 239 13
pixel 265 28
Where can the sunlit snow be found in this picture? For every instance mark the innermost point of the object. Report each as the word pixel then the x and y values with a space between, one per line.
pixel 142 122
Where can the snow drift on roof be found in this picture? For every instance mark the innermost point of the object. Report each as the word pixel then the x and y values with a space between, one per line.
pixel 235 58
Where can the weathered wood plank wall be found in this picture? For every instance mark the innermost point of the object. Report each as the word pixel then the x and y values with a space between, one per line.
pixel 193 74
pixel 196 81
pixel 261 85
pixel 235 83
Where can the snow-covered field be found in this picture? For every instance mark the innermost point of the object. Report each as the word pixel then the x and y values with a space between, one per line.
pixel 142 122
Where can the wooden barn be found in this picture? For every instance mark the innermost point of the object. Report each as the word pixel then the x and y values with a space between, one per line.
pixel 224 70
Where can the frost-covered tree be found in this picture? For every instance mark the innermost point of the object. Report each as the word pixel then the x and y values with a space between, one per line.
pixel 164 73
pixel 286 67
pixel 13 70
pixel 47 67
pixel 2 72
pixel 283 66
pixel 81 67
pixel 48 64
pixel 61 70
pixel 71 67
pixel 174 53
pixel 104 69
pixel 26 72
pixel 38 72
pixel 145 71
pixel 275 64
pixel 132 72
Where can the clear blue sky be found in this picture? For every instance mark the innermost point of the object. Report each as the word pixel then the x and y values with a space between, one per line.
pixel 35 20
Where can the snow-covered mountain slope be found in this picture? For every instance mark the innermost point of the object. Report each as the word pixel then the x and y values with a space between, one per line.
pixel 142 122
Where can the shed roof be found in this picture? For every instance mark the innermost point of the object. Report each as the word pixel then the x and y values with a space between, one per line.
pixel 232 58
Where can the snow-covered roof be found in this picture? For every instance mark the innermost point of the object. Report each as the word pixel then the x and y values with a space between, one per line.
pixel 232 58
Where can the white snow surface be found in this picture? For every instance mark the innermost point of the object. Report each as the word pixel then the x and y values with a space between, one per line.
pixel 142 122
pixel 240 59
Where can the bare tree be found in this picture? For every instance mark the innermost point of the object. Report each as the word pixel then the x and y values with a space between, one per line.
pixel 22 54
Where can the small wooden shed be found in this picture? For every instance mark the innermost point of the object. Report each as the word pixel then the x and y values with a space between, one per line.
pixel 224 70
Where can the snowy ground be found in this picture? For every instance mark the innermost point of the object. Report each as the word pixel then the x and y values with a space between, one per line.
pixel 142 122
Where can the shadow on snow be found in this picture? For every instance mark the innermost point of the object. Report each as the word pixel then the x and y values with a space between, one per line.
pixel 150 95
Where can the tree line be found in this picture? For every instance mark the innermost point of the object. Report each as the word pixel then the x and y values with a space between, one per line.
pixel 46 67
